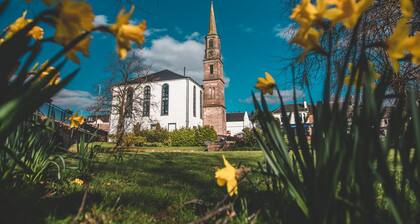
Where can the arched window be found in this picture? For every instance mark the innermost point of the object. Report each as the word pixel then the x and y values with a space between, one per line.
pixel 211 70
pixel 165 99
pixel 146 101
pixel 211 44
pixel 201 104
pixel 194 103
pixel 129 103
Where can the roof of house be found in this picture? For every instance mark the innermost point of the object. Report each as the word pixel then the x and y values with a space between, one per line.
pixel 163 75
pixel 235 116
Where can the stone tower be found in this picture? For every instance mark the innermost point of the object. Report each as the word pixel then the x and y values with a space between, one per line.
pixel 214 84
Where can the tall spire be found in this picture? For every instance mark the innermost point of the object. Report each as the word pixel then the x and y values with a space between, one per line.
pixel 212 25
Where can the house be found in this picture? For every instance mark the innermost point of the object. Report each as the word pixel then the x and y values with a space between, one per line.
pixel 99 121
pixel 305 114
pixel 236 122
pixel 166 98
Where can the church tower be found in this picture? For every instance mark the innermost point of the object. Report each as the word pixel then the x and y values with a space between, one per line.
pixel 214 84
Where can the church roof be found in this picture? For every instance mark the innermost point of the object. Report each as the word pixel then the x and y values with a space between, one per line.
pixel 164 75
pixel 212 24
pixel 235 116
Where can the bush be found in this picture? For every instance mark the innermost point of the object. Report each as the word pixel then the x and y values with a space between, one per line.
pixel 156 135
pixel 204 134
pixel 248 139
pixel 183 137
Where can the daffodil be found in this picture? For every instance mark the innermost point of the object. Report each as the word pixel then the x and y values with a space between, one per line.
pixel 78 181
pixel 55 79
pixel 82 46
pixel 227 176
pixel 125 32
pixel 407 8
pixel 397 42
pixel 266 84
pixel 36 32
pixel 347 11
pixel 74 18
pixel 413 46
pixel 305 13
pixel 307 39
pixel 76 121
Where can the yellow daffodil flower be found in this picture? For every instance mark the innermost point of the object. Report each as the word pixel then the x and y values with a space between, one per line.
pixel 76 121
pixel 397 42
pixel 125 32
pixel 305 13
pixel 227 176
pixel 347 11
pixel 74 18
pixel 307 39
pixel 82 46
pixel 374 76
pixel 78 181
pixel 36 32
pixel 407 8
pixel 266 84
pixel 400 43
pixel 413 46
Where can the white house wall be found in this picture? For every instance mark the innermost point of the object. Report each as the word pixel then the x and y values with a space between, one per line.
pixel 177 113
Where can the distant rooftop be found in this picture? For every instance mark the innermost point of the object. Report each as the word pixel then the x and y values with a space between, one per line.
pixel 235 116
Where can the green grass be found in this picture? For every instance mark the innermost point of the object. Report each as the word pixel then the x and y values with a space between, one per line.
pixel 146 187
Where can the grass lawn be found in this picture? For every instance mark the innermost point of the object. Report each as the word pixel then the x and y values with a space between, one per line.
pixel 148 186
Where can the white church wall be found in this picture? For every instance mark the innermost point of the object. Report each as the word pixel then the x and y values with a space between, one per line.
pixel 177 110
pixel 194 121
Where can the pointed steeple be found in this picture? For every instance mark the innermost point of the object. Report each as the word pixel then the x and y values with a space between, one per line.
pixel 212 24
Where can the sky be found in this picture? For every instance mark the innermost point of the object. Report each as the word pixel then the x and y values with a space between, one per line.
pixel 254 38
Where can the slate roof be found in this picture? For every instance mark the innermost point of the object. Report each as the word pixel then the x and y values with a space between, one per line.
pixel 163 75
pixel 236 116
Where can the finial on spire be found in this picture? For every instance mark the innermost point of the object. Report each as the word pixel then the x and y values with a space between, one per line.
pixel 212 25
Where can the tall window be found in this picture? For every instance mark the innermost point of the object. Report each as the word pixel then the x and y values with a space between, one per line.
pixel 165 99
pixel 211 70
pixel 201 104
pixel 211 43
pixel 194 103
pixel 146 101
pixel 129 103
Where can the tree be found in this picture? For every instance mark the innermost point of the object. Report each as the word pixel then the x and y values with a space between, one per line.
pixel 124 94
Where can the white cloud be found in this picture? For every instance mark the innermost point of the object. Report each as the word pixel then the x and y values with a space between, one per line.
pixel 246 29
pixel 274 99
pixel 100 20
pixel 168 53
pixel 194 36
pixel 227 81
pixel 285 33
pixel 74 99
pixel 152 31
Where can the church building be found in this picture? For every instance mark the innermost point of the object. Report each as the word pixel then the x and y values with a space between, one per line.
pixel 174 101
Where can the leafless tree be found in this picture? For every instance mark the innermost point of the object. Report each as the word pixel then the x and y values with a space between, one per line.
pixel 124 94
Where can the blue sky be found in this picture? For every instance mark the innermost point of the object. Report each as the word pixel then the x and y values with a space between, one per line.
pixel 252 35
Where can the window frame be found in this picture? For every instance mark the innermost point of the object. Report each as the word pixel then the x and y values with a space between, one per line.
pixel 146 101
pixel 164 110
